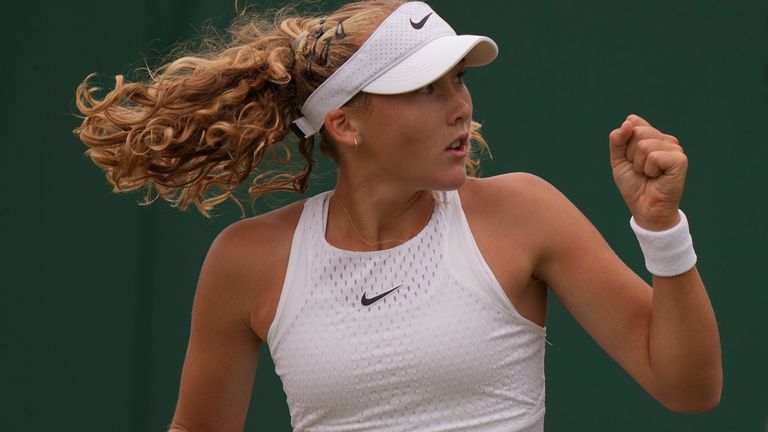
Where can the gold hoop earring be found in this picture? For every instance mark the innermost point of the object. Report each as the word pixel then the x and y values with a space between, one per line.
pixel 356 143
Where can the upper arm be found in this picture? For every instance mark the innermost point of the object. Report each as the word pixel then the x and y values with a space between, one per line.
pixel 607 298
pixel 223 350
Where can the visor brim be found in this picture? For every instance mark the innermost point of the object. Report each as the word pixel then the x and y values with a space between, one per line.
pixel 432 61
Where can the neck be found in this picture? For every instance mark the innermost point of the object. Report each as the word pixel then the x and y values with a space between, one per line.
pixel 361 218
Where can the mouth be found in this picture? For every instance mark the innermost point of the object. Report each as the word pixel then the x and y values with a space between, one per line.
pixel 459 146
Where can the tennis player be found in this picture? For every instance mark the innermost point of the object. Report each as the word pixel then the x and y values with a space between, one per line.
pixel 413 295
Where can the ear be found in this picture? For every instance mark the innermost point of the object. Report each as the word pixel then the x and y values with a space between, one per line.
pixel 342 127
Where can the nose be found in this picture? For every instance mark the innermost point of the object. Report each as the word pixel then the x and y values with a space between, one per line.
pixel 461 106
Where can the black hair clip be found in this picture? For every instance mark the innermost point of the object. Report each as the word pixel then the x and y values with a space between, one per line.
pixel 318 32
pixel 312 54
pixel 323 60
pixel 311 57
pixel 297 42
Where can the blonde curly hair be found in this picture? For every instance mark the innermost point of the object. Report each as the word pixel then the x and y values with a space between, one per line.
pixel 205 123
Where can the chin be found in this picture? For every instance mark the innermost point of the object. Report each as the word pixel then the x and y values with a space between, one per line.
pixel 452 182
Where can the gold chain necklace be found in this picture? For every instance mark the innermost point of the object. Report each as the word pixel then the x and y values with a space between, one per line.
pixel 373 244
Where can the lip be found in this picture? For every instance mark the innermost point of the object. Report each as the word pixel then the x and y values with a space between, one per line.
pixel 461 150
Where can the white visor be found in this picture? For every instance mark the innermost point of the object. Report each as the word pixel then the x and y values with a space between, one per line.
pixel 411 48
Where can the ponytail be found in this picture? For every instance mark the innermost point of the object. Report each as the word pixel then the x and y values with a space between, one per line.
pixel 204 124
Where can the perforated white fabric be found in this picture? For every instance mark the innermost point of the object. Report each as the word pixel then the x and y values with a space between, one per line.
pixel 446 351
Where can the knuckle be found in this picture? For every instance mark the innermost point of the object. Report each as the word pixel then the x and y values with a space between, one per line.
pixel 645 146
pixel 670 141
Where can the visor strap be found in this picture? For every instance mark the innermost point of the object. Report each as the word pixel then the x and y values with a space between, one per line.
pixel 303 128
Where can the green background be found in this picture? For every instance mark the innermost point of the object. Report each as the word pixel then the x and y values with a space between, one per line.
pixel 97 291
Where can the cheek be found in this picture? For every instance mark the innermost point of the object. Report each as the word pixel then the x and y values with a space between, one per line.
pixel 406 124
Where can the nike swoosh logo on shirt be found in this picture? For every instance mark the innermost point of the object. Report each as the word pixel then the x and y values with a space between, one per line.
pixel 420 24
pixel 369 301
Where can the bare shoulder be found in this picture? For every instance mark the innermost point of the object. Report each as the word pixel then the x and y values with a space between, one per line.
pixel 257 237
pixel 523 207
pixel 511 217
pixel 246 265
pixel 234 302
pixel 519 196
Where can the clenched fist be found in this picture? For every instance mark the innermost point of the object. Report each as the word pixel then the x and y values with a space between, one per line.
pixel 649 169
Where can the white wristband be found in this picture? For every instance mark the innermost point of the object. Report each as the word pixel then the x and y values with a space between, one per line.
pixel 667 253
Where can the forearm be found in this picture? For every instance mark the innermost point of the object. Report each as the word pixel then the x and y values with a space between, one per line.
pixel 684 344
pixel 683 367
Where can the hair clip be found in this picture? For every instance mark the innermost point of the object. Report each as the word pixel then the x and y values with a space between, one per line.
pixel 340 30
pixel 298 39
pixel 318 32
pixel 310 58
pixel 323 60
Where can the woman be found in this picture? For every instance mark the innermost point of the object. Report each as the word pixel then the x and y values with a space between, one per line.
pixel 413 296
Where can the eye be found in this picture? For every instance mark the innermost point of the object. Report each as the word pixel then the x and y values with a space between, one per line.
pixel 461 77
pixel 427 89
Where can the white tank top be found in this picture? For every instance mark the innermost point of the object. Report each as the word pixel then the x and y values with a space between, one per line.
pixel 417 337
